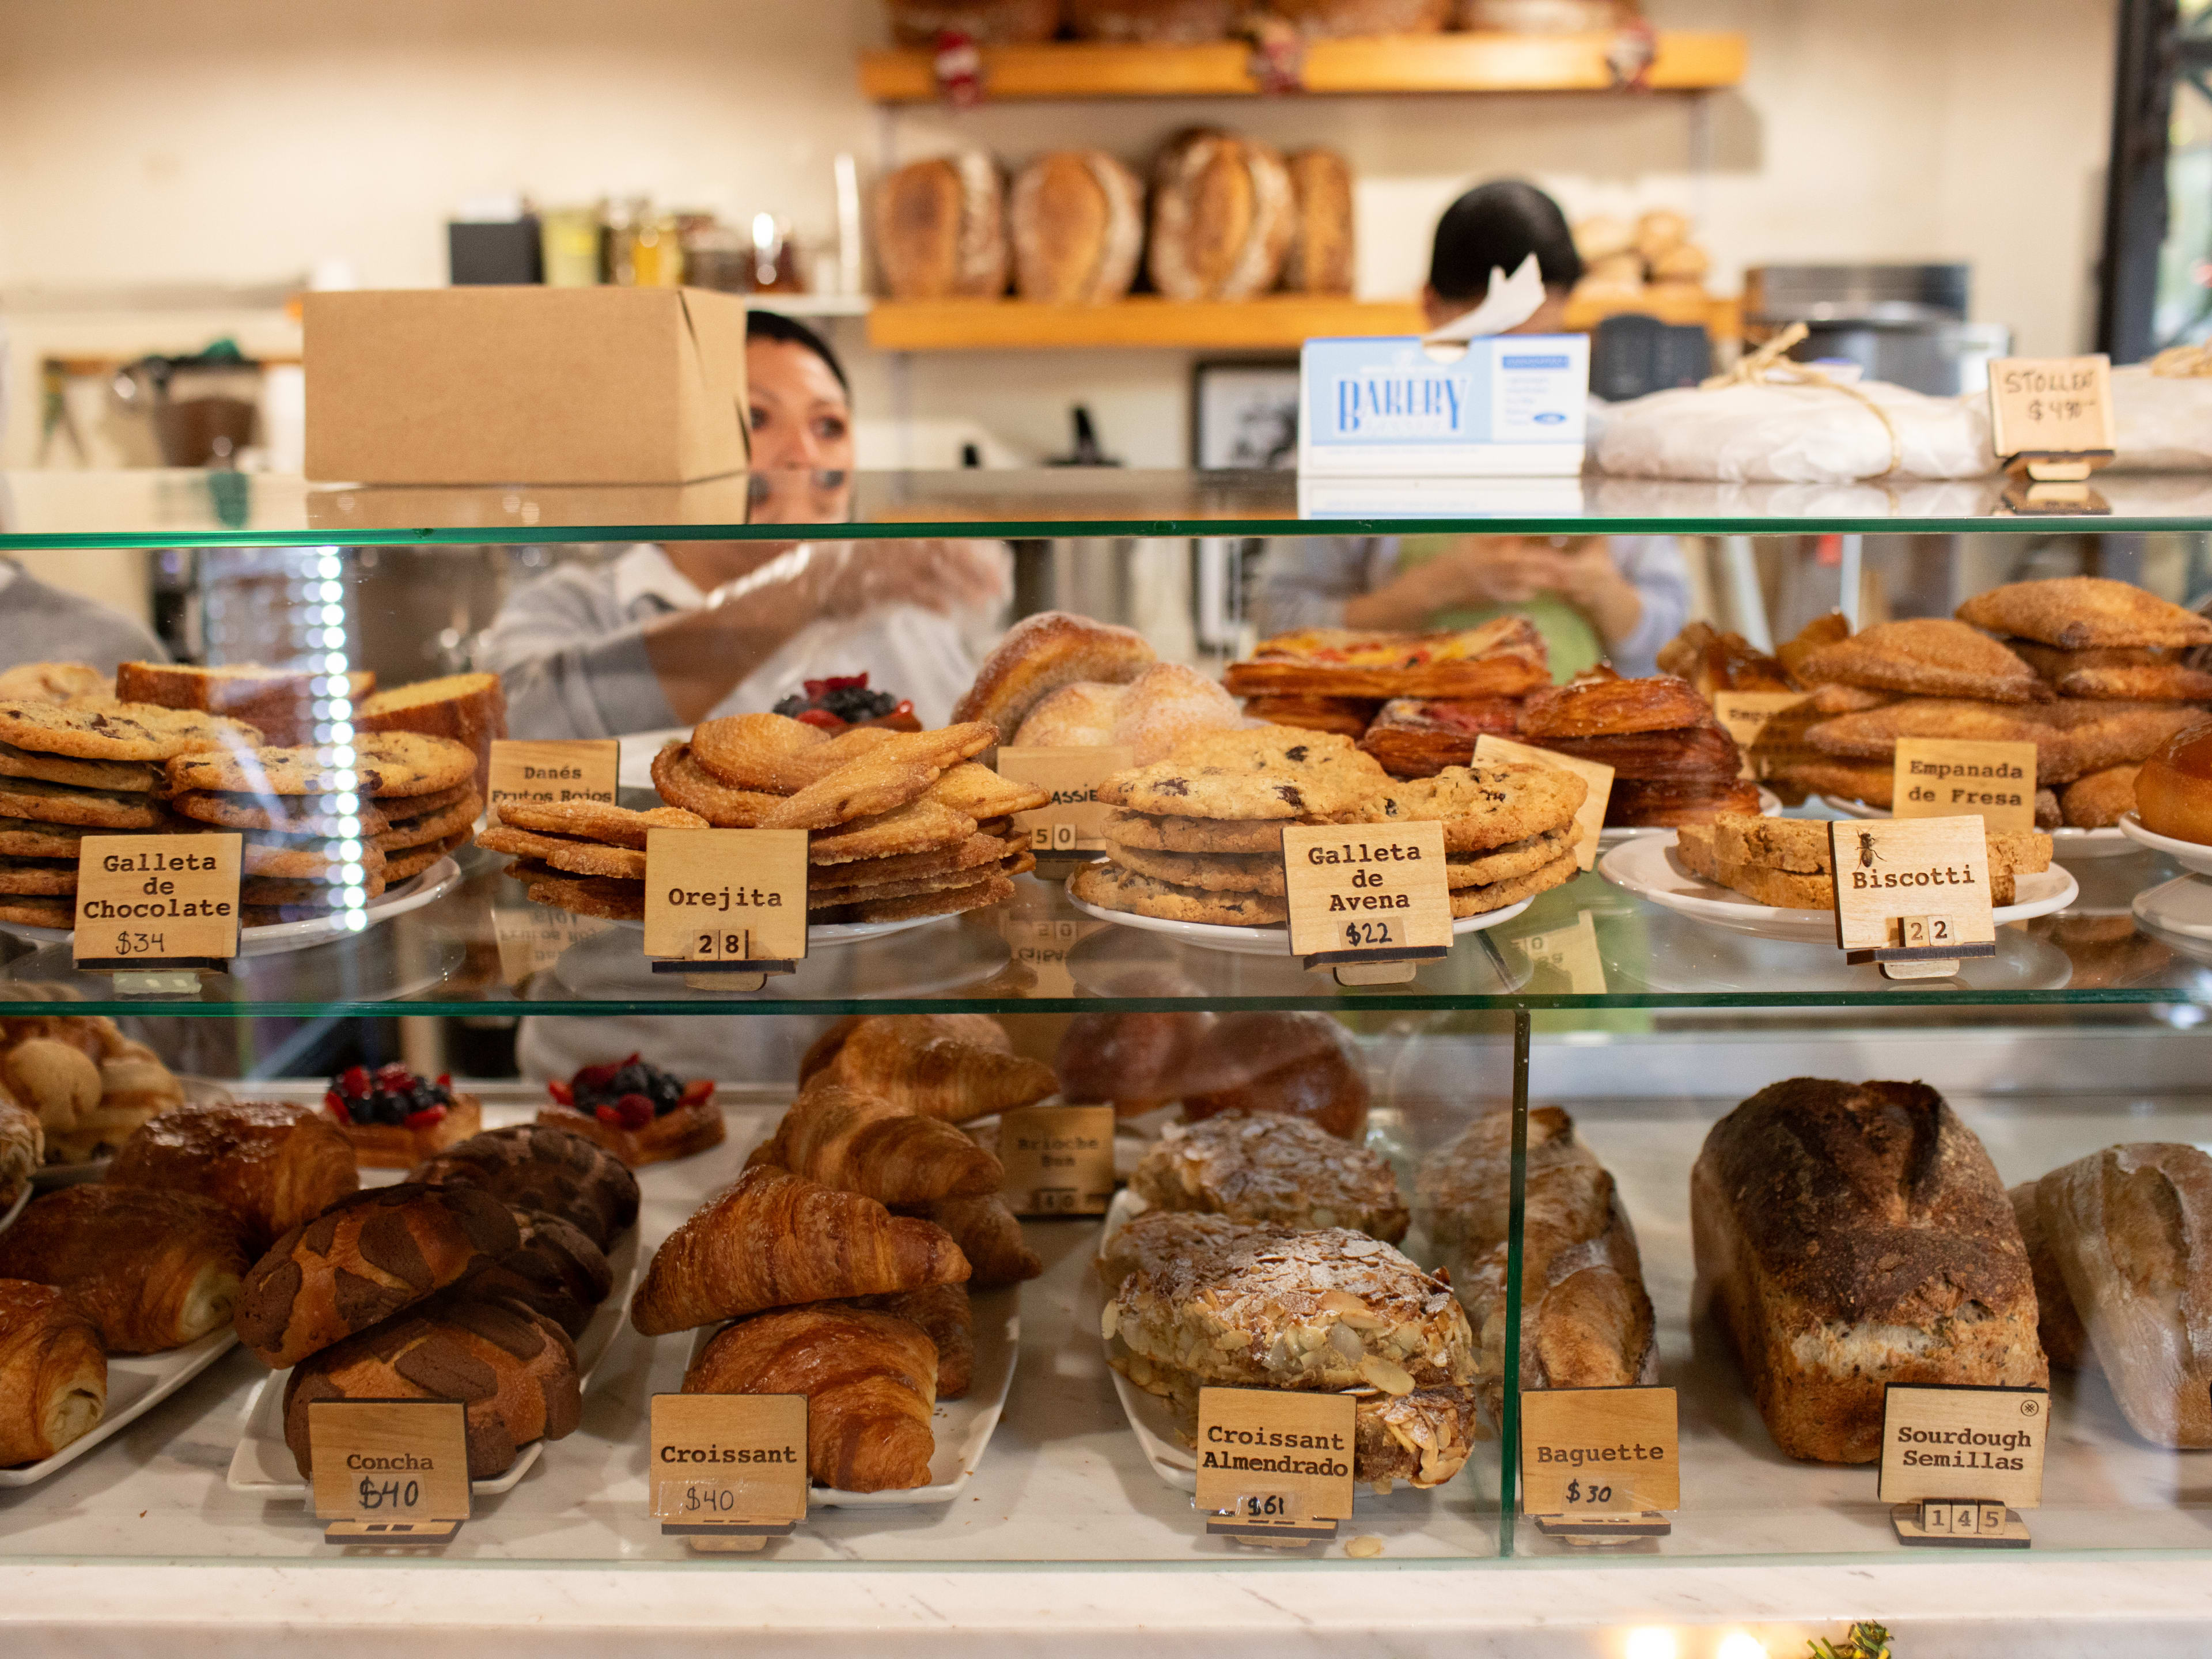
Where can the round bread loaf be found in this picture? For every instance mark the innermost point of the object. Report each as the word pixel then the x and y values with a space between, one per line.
pixel 1299 1065
pixel 2174 791
pixel 548 1170
pixel 513 1368
pixel 1077 220
pixel 941 230
pixel 361 1260
pixel 1222 216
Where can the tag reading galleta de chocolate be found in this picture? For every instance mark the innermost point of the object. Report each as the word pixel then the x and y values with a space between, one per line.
pixel 1913 890
pixel 1367 892
pixel 1599 1451
pixel 2056 407
pixel 1589 818
pixel 546 772
pixel 1075 820
pixel 728 1460
pixel 1274 1462
pixel 144 901
pixel 390 1459
pixel 1961 1441
pixel 725 895
pixel 1950 777
pixel 1058 1160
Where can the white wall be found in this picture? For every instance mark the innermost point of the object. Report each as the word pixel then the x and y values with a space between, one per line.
pixel 241 141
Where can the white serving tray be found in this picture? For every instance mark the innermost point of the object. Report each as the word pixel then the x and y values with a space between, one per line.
pixel 136 1384
pixel 2066 842
pixel 1769 806
pixel 963 1427
pixel 264 1465
pixel 2189 854
pixel 1150 1420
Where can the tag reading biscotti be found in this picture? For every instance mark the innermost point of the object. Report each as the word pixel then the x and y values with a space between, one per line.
pixel 1913 891
pixel 727 898
pixel 383 1464
pixel 1589 818
pixel 1599 1451
pixel 1074 821
pixel 1961 1441
pixel 2052 414
pixel 725 1463
pixel 156 901
pixel 1273 1463
pixel 1367 892
pixel 546 773
pixel 1058 1160
pixel 1768 726
pixel 1947 777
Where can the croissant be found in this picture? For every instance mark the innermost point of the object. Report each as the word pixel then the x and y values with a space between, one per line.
pixel 946 1319
pixel 54 1372
pixel 274 1165
pixel 152 1270
pixel 926 1064
pixel 868 1144
pixel 869 1382
pixel 989 1235
pixel 774 1240
pixel 23 1149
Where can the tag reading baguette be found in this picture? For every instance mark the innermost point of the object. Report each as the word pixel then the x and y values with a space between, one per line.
pixel 1058 1160
pixel 1600 1451
pixel 390 1459
pixel 1948 777
pixel 1275 1462
pixel 733 896
pixel 1928 870
pixel 1768 726
pixel 546 772
pixel 1075 819
pixel 1589 818
pixel 1367 892
pixel 154 901
pixel 2054 415
pixel 724 1462
pixel 1961 1441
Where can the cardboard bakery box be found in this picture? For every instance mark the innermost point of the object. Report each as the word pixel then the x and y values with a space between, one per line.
pixel 525 386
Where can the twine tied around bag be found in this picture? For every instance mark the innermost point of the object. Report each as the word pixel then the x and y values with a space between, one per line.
pixel 1770 366
pixel 2193 362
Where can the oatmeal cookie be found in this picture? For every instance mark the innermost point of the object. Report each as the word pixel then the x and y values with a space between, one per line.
pixel 1217 873
pixel 1515 858
pixel 1268 772
pixel 1481 901
pixel 92 809
pixel 1483 807
pixel 1110 887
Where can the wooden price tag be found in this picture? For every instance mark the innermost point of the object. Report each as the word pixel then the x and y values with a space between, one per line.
pixel 727 900
pixel 389 1468
pixel 2052 417
pixel 544 773
pixel 1372 898
pixel 728 1465
pixel 1058 1160
pixel 1591 817
pixel 1894 874
pixel 532 940
pixel 156 901
pixel 1957 1459
pixel 1569 951
pixel 1609 1456
pixel 1274 1466
pixel 1947 777
pixel 1075 821
pixel 1768 726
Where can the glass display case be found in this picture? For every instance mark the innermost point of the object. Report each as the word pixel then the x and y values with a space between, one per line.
pixel 1619 993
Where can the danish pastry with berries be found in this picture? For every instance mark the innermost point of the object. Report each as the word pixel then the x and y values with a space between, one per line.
pixel 844 700
pixel 638 1112
pixel 396 1119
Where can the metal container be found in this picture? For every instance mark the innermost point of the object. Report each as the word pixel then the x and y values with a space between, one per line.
pixel 1906 325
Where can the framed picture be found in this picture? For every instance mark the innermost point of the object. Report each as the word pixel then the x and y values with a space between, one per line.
pixel 1244 415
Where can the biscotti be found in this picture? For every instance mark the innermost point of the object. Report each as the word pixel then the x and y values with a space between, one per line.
pixel 1848 1236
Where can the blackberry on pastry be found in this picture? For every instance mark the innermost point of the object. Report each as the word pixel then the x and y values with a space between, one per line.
pixel 844 700
pixel 396 1119
pixel 635 1110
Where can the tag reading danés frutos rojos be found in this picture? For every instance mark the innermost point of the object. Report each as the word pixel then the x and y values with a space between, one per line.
pixel 146 900
pixel 546 772
pixel 1075 820
pixel 1589 817
pixel 1058 1160
pixel 725 895
pixel 381 1463
pixel 725 1463
pixel 1275 1463
pixel 1913 891
pixel 1950 777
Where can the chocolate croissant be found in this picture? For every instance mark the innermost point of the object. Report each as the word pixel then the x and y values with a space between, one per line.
pixel 54 1372
pixel 869 1382
pixel 865 1144
pixel 152 1270
pixel 775 1240
pixel 275 1165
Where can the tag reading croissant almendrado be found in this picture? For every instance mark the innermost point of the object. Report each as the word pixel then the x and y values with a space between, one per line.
pixel 1273 1463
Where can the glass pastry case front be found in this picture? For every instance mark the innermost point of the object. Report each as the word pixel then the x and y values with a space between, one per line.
pixel 1047 1137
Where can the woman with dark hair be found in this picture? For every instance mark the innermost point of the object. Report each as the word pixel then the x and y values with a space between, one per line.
pixel 1593 597
pixel 665 636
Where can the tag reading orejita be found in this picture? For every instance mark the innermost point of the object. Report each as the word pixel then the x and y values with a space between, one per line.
pixel 1058 1160
pixel 546 772
pixel 389 1461
pixel 1367 892
pixel 1075 820
pixel 728 1463
pixel 1275 1464
pixel 156 901
pixel 728 900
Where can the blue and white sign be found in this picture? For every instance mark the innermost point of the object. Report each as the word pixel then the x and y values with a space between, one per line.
pixel 1505 406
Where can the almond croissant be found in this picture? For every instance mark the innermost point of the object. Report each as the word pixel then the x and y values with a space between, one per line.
pixel 774 1240
pixel 867 1144
pixel 925 1064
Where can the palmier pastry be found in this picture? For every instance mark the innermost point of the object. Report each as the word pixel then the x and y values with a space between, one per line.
pixel 551 1170
pixel 275 1165
pixel 152 1270
pixel 54 1372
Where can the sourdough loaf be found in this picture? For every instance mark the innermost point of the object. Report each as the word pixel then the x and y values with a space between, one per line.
pixel 986 22
pixel 1848 1236
pixel 940 229
pixel 1078 223
pixel 1154 22
pixel 1323 18
pixel 1222 217
pixel 1320 259
pixel 2065 1344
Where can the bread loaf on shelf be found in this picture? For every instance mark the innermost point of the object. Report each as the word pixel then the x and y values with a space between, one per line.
pixel 469 709
pixel 2057 1322
pixel 986 22
pixel 1077 219
pixel 1320 260
pixel 1848 1236
pixel 1154 22
pixel 941 230
pixel 1332 18
pixel 1546 17
pixel 54 1372
pixel 1223 215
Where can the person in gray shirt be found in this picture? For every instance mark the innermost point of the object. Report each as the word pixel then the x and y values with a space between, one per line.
pixel 40 623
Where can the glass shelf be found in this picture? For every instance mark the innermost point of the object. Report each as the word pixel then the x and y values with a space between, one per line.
pixel 169 509
pixel 483 950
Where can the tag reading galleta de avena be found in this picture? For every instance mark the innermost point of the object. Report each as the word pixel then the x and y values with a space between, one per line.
pixel 545 772
pixel 1599 1451
pixel 145 900
pixel 726 894
pixel 1373 890
pixel 1589 817
pixel 728 1460
pixel 1074 819
pixel 1952 777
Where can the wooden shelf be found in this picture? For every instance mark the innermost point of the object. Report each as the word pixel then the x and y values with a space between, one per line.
pixel 1720 315
pixel 1280 322
pixel 1376 63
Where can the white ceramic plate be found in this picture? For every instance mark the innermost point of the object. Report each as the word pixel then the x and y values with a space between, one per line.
pixel 1769 806
pixel 21 1201
pixel 1646 869
pixel 264 1465
pixel 1150 1420
pixel 1273 941
pixel 2189 854
pixel 2182 906
pixel 963 1427
pixel 136 1384
pixel 285 937
pixel 633 770
pixel 2066 843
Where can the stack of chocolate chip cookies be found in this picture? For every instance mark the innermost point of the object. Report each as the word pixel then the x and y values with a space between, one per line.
pixel 67 772
pixel 583 856
pixel 1199 836
pixel 414 801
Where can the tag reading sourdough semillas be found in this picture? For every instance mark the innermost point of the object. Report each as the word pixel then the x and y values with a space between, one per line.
pixel 728 1460
pixel 1599 1451
pixel 390 1459
pixel 1372 891
pixel 1950 777
pixel 1274 1461
pixel 1961 1441
pixel 546 773
pixel 725 895
pixel 1075 820
pixel 143 900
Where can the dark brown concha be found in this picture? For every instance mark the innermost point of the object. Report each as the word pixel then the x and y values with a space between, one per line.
pixel 544 1170
pixel 555 1269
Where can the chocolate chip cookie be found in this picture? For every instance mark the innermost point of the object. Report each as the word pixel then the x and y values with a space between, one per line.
pixel 1268 772
pixel 1111 887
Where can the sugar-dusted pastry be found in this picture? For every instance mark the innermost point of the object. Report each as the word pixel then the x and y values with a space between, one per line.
pixel 1928 657
pixel 2080 612
pixel 1266 1167
pixel 54 1372
pixel 1153 716
pixel 153 1270
pixel 273 1164
pixel 2099 800
pixel 2118 673
pixel 548 1169
pixel 1041 653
